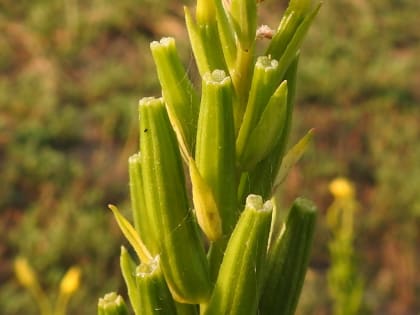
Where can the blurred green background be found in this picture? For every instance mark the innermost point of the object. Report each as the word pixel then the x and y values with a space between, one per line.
pixel 71 73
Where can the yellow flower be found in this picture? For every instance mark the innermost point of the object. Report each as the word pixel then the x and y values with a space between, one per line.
pixel 341 188
pixel 71 281
pixel 24 273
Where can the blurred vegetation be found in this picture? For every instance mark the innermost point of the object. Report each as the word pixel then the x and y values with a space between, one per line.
pixel 71 73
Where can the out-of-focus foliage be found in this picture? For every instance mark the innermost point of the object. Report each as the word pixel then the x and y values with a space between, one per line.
pixel 71 73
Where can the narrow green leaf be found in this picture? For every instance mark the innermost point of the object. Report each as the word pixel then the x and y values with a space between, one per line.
pixel 131 234
pixel 291 158
pixel 287 260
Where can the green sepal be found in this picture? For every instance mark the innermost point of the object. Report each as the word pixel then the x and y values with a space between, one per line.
pixel 205 205
pixel 175 233
pixel 215 149
pixel 239 281
pixel 262 87
pixel 267 131
pixel 206 211
pixel 179 94
pixel 128 270
pixel 154 295
pixel 287 260
pixel 112 304
pixel 244 19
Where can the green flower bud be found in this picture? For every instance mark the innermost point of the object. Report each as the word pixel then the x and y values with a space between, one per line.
pixel 267 131
pixel 112 304
pixel 179 94
pixel 227 35
pixel 137 198
pixel 262 88
pixel 215 150
pixel 239 281
pixel 260 180
pixel 128 269
pixel 154 295
pixel 287 260
pixel 174 230
pixel 244 18
pixel 289 43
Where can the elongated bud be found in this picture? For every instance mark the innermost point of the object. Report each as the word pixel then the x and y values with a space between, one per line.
pixel 261 179
pixel 205 12
pixel 227 35
pixel 286 53
pixel 175 234
pixel 262 88
pixel 112 304
pixel 238 284
pixel 267 131
pixel 179 94
pixel 287 260
pixel 215 150
pixel 244 17
pixel 128 270
pixel 293 17
pixel 302 7
pixel 205 40
pixel 197 45
pixel 24 273
pixel 137 198
pixel 154 295
pixel 71 281
pixel 287 28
